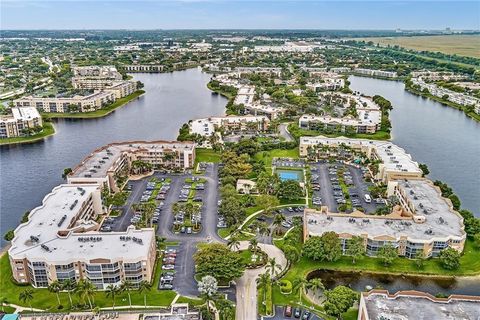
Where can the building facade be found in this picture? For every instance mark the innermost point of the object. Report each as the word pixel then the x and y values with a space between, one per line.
pixel 21 119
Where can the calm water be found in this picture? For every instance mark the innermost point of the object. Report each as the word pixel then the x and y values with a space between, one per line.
pixel 29 172
pixel 440 136
pixel 393 283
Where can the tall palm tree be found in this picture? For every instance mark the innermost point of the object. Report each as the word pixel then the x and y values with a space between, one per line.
pixel 278 219
pixel 69 285
pixel 148 208
pixel 111 291
pixel 143 287
pixel 127 286
pixel 233 242
pixel 26 296
pixel 273 267
pixel 299 284
pixel 263 282
pixel 254 245
pixel 86 290
pixel 55 287
pixel 315 285
pixel 262 229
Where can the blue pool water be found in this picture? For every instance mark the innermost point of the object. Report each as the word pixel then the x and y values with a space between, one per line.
pixel 289 175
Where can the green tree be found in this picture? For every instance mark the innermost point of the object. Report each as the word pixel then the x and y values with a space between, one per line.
pixel 449 258
pixel 69 286
pixel 476 239
pixel 356 248
pixel 233 242
pixel 55 287
pixel 278 219
pixel 267 183
pixel 86 291
pixel 208 288
pixel 291 253
pixel 111 292
pixel 263 283
pixel 424 169
pixel 267 203
pixel 127 286
pixel 326 247
pixel 339 300
pixel 299 283
pixel 26 296
pixel 216 260
pixel 420 259
pixel 273 267
pixel 290 189
pixel 387 254
pixel 315 285
pixel 143 287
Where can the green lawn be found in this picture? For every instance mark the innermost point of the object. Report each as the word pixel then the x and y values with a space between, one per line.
pixel 97 113
pixel 43 299
pixel 48 130
pixel 206 155
pixel 351 314
pixel 267 156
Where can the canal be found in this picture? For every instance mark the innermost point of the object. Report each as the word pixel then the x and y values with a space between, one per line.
pixel 440 136
pixel 28 172
pixel 363 281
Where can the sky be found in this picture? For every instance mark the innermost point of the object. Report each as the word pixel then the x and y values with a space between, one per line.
pixel 225 14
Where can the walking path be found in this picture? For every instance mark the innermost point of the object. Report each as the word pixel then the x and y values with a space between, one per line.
pixel 247 285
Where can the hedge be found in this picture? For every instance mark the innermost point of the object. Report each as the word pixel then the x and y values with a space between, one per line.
pixel 285 286
pixel 268 300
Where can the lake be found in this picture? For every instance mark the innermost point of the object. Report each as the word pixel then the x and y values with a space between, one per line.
pixel 29 171
pixel 442 137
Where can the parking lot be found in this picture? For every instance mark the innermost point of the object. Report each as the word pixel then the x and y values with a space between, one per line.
pixel 297 313
pixel 342 188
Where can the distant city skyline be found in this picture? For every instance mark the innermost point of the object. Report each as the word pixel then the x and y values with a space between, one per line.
pixel 222 14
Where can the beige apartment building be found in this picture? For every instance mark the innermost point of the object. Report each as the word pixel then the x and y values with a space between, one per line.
pixel 87 103
pixel 424 221
pixel 394 162
pixel 60 242
pixel 20 119
pixel 147 68
pixel 106 165
pixel 97 72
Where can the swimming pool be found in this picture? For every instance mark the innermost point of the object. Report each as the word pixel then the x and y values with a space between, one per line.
pixel 296 175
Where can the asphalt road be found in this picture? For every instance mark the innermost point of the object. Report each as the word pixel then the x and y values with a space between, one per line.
pixel 283 132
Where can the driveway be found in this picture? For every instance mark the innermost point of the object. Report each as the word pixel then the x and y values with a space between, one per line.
pixel 247 285
pixel 283 132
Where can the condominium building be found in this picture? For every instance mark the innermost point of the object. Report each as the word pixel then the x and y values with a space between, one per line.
pixel 394 162
pixel 106 165
pixel 98 72
pixel 208 126
pixel 122 88
pixel 380 304
pixel 437 76
pixel 21 119
pixel 76 103
pixel 245 95
pixel 368 121
pixel 327 83
pixel 60 242
pixel 140 68
pixel 424 221
pixel 119 87
pixel 260 70
pixel 376 73
pixel 269 111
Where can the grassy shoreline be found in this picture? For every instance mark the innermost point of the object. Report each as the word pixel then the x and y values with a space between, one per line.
pixel 48 130
pixel 97 113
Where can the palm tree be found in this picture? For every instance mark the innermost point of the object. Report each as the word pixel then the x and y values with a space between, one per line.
pixel 299 284
pixel 273 267
pixel 262 229
pixel 143 287
pixel 127 286
pixel 233 242
pixel 69 286
pixel 148 208
pixel 315 285
pixel 263 283
pixel 86 289
pixel 277 221
pixel 254 245
pixel 26 296
pixel 55 287
pixel 111 291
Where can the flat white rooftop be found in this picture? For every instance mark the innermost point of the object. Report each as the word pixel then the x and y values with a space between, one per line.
pixel 394 157
pixel 38 239
pixel 97 164
pixel 415 305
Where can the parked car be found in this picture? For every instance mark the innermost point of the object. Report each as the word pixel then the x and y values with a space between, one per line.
pixel 288 311
pixel 306 315
pixel 168 267
pixel 297 313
